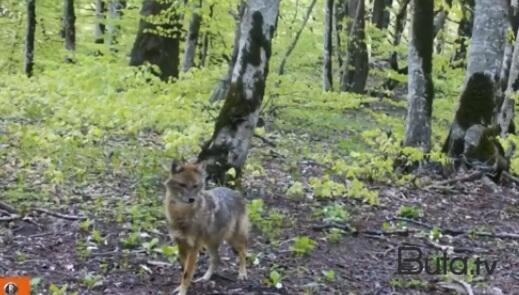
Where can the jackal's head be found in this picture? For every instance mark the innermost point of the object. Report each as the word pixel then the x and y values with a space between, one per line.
pixel 185 182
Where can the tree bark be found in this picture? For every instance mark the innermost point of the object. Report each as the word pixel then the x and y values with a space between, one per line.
pixel 29 38
pixel 292 45
pixel 222 88
pixel 99 29
pixel 69 26
pixel 157 42
pixel 339 16
pixel 328 46
pixel 192 39
pixel 380 17
pixel 355 72
pixel 506 113
pixel 234 127
pixel 420 85
pixel 464 32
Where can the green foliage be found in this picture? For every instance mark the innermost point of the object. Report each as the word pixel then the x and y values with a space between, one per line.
pixel 269 222
pixel 410 212
pixel 302 246
pixel 335 213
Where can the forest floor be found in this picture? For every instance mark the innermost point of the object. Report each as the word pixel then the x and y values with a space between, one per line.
pixel 104 254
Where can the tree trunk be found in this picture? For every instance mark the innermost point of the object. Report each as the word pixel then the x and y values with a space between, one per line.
pixel 506 113
pixel 292 45
pixel 328 46
pixel 205 41
pixel 192 39
pixel 488 39
pixel 464 32
pixel 237 120
pixel 222 88
pixel 400 20
pixel 99 30
pixel 480 99
pixel 157 43
pixel 339 16
pixel 380 17
pixel 29 37
pixel 115 8
pixel 420 85
pixel 355 72
pixel 69 27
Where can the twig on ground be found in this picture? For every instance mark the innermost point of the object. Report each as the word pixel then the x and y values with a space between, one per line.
pixel 265 140
pixel 510 177
pixel 59 215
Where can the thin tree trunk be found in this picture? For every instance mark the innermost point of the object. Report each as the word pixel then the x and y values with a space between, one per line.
pixel 400 20
pixel 192 39
pixel 292 45
pixel 206 42
pixel 328 46
pixel 69 27
pixel 222 88
pixel 339 16
pixel 234 127
pixel 380 17
pixel 355 71
pixel 99 30
pixel 158 43
pixel 29 38
pixel 420 85
pixel 115 8
pixel 464 32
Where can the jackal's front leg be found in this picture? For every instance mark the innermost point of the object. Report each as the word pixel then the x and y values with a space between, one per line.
pixel 189 269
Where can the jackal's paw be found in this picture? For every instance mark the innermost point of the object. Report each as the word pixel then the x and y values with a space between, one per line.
pixel 242 276
pixel 205 278
pixel 180 291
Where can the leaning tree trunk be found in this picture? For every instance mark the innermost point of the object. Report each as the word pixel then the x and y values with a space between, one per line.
pixel 29 38
pixel 237 120
pixel 99 29
pixel 328 46
pixel 222 88
pixel 506 114
pixel 293 44
pixel 380 17
pixel 69 27
pixel 420 85
pixel 355 71
pixel 464 32
pixel 480 98
pixel 157 42
pixel 192 39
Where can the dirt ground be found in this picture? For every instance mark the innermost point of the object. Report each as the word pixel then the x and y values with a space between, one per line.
pixel 364 261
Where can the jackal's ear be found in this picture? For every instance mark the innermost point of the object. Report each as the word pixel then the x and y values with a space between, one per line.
pixel 176 167
pixel 202 166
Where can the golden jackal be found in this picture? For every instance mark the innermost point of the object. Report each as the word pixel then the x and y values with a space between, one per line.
pixel 203 218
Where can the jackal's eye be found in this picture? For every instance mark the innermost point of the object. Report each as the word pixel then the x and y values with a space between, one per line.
pixel 182 184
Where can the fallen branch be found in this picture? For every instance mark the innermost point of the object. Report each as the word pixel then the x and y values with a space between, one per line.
pixel 265 140
pixel 510 177
pixel 10 218
pixel 8 208
pixel 458 286
pixel 59 215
